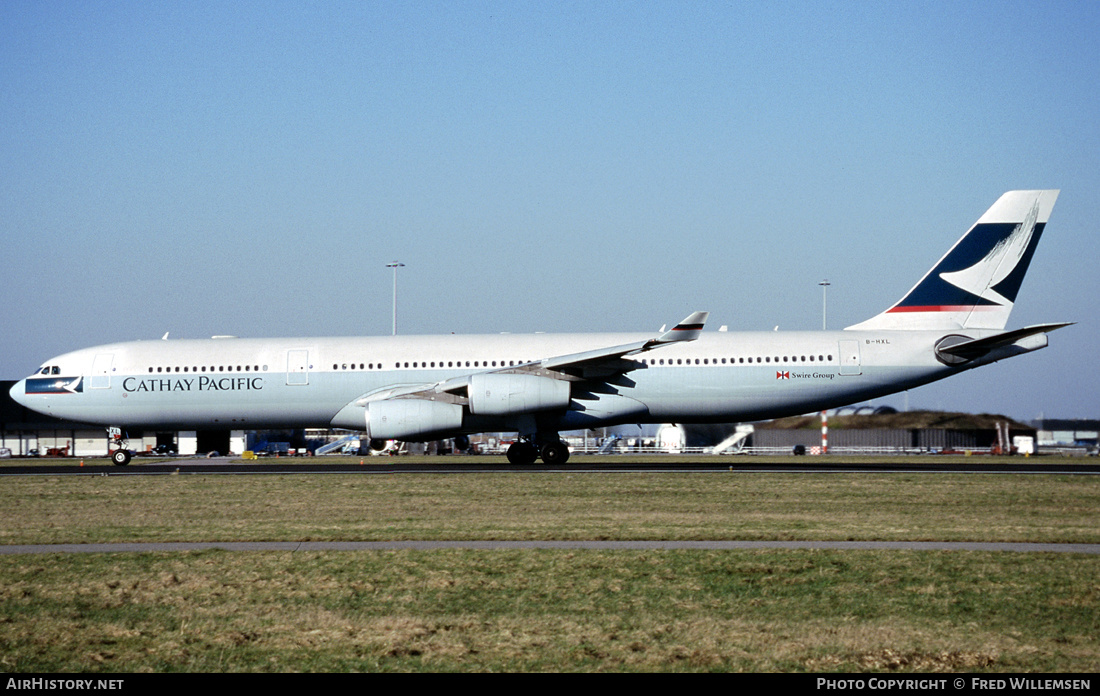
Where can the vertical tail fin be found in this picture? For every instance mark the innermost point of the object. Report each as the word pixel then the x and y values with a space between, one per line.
pixel 974 285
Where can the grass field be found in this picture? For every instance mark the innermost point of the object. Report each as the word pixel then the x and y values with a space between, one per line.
pixel 539 610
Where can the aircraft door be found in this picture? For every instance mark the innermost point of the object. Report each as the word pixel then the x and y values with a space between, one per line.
pixel 101 371
pixel 297 367
pixel 849 358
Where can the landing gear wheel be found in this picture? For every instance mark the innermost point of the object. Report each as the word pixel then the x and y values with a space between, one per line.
pixel 555 453
pixel 120 457
pixel 522 453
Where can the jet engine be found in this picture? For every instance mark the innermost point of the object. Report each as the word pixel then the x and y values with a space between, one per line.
pixel 501 394
pixel 412 419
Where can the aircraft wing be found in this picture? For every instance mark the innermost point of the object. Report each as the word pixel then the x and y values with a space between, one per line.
pixel 602 362
pixel 687 330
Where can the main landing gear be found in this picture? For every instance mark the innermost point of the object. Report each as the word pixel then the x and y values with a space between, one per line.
pixel 551 451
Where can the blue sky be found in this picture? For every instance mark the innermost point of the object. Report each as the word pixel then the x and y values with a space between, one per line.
pixel 249 169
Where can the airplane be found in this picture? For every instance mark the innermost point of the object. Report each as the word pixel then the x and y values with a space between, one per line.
pixel 422 388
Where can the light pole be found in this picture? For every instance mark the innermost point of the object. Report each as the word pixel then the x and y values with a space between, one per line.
pixel 395 265
pixel 824 415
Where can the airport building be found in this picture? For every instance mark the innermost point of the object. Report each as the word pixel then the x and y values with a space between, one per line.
pixel 864 430
pixel 894 432
pixel 1059 433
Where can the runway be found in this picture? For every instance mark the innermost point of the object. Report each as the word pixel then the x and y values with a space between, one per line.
pixel 589 464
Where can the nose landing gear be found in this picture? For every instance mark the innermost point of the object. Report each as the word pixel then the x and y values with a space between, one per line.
pixel 122 455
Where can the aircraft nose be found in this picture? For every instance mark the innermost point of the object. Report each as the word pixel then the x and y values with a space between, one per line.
pixel 19 392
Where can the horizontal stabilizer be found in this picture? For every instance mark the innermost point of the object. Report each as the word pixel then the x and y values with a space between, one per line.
pixel 964 350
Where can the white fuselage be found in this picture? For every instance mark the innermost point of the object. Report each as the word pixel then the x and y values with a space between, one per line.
pixel 308 382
